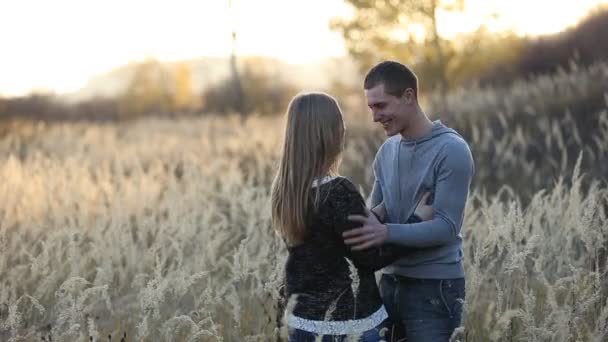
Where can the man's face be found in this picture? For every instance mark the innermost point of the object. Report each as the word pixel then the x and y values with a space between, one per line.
pixel 393 113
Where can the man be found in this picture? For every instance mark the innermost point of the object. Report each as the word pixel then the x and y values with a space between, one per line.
pixel 423 292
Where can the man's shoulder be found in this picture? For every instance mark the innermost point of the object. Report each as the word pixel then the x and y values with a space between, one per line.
pixel 389 143
pixel 386 152
pixel 456 150
pixel 453 141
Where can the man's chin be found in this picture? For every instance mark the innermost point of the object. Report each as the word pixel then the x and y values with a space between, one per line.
pixel 390 132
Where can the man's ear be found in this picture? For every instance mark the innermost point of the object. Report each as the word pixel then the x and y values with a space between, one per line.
pixel 409 96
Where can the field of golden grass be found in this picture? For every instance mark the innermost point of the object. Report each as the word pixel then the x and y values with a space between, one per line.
pixel 160 228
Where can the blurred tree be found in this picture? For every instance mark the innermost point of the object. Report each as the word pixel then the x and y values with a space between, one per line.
pixel 262 85
pixel 484 56
pixel 2 107
pixel 237 87
pixel 386 29
pixel 264 88
pixel 148 92
pixel 182 97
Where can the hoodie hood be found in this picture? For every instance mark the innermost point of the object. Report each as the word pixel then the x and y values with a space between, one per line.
pixel 437 129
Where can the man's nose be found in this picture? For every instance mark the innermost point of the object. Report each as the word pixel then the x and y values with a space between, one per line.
pixel 376 116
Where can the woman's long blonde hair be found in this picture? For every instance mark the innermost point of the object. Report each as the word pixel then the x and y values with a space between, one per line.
pixel 312 147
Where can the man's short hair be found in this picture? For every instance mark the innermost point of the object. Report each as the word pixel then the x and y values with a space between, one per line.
pixel 395 76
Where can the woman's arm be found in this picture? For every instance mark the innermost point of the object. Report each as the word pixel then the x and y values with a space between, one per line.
pixel 380 212
pixel 423 212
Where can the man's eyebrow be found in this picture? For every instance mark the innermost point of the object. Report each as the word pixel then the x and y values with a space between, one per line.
pixel 375 104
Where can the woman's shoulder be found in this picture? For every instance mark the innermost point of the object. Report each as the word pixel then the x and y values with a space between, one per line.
pixel 341 192
pixel 338 185
pixel 338 199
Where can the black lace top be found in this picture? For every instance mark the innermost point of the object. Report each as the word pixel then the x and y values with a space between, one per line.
pixel 317 270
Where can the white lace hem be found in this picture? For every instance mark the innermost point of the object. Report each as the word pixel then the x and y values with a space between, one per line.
pixel 338 327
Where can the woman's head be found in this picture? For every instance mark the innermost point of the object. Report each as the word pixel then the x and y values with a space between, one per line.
pixel 313 144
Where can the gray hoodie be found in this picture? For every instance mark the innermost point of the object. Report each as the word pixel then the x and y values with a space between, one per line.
pixel 439 162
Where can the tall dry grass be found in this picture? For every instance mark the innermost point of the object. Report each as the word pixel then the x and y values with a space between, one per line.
pixel 155 228
pixel 160 230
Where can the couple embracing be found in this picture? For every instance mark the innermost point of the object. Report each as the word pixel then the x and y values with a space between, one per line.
pixel 411 231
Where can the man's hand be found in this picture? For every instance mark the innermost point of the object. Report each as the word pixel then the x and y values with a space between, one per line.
pixel 424 211
pixel 371 234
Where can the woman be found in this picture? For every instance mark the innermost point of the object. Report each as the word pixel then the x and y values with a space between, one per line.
pixel 331 290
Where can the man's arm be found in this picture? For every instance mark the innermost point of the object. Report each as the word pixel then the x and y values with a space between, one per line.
pixel 455 172
pixel 375 200
pixel 375 197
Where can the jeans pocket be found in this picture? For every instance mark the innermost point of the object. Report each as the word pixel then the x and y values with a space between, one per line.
pixel 452 294
pixel 389 291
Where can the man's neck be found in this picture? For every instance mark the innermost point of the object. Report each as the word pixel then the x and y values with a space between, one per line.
pixel 419 126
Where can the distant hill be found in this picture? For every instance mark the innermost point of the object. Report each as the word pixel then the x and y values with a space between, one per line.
pixel 586 43
pixel 206 71
pixel 582 44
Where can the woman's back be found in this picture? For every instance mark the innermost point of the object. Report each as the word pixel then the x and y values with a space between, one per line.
pixel 331 282
pixel 331 296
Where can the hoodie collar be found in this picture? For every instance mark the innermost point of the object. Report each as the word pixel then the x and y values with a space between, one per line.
pixel 437 129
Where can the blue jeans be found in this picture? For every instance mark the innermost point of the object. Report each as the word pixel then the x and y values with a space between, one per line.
pixel 372 335
pixel 422 310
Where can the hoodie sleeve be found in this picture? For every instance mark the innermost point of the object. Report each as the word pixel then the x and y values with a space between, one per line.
pixel 376 196
pixel 454 173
